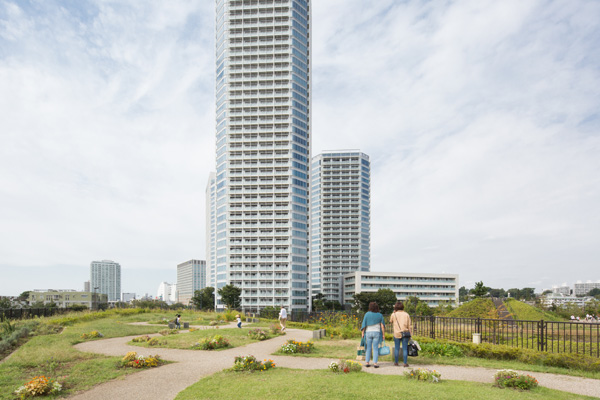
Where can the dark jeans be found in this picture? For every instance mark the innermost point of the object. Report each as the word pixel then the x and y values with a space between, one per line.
pixel 404 349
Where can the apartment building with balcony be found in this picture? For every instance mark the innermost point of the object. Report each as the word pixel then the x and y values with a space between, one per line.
pixel 262 151
pixel 340 221
pixel 432 288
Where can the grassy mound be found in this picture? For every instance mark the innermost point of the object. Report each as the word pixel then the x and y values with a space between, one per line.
pixel 523 311
pixel 476 308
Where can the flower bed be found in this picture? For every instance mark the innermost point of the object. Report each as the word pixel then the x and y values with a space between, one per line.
pixel 251 364
pixel 345 366
pixel 133 360
pixel 294 347
pixel 509 378
pixel 91 335
pixel 423 374
pixel 141 339
pixel 258 334
pixel 38 386
pixel 211 343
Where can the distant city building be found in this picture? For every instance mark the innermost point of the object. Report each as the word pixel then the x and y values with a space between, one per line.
pixel 211 230
pixel 167 292
pixel 564 290
pixel 128 297
pixel 105 277
pixel 432 288
pixel 68 298
pixel 340 219
pixel 191 276
pixel 86 286
pixel 558 299
pixel 582 289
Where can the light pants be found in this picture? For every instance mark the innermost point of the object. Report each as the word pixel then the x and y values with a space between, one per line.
pixel 372 339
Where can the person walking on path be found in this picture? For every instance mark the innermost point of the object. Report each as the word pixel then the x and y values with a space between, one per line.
pixel 239 321
pixel 282 317
pixel 178 321
pixel 372 329
pixel 402 324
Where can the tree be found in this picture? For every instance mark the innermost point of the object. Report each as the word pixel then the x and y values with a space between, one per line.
pixel 230 295
pixel 204 299
pixel 318 303
pixel 594 292
pixel 24 296
pixel 463 294
pixel 410 304
pixel 333 305
pixel 362 300
pixel 386 299
pixel 500 293
pixel 480 290
pixel 5 302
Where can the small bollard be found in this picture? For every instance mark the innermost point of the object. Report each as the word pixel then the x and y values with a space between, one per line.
pixel 171 325
pixel 186 325
pixel 477 338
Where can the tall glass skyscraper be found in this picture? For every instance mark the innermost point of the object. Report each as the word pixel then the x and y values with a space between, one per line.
pixel 340 219
pixel 263 150
pixel 105 277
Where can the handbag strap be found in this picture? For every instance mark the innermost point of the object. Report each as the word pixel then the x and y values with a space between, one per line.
pixel 397 323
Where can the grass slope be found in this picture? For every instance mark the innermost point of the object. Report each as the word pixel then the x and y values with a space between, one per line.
pixel 523 311
pixel 282 383
pixel 476 308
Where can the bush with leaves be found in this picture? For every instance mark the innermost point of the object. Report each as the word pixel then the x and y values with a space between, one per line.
pixel 345 366
pixel 512 379
pixel 38 386
pixel 293 347
pixel 251 364
pixel 133 360
pixel 211 343
pixel 91 335
pixel 258 334
pixel 423 374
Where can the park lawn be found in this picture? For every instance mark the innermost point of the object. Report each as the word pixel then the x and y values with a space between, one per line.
pixel 346 349
pixel 236 337
pixel 53 355
pixel 282 383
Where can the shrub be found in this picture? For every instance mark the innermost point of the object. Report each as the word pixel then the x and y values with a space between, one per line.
pixel 213 323
pixel 439 349
pixel 166 332
pixel 423 374
pixel 132 360
pixel 91 335
pixel 141 339
pixel 508 378
pixel 258 334
pixel 153 341
pixel 345 366
pixel 293 347
pixel 251 364
pixel 212 343
pixel 276 329
pixel 38 386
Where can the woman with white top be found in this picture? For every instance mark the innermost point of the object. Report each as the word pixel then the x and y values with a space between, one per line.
pixel 372 330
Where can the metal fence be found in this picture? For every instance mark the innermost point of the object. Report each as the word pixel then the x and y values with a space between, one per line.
pixel 25 313
pixel 550 336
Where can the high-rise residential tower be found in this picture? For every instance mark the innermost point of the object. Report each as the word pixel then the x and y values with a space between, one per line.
pixel 191 276
pixel 105 277
pixel 263 150
pixel 211 230
pixel 340 219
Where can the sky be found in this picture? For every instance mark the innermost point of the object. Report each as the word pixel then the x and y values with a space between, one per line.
pixel 481 119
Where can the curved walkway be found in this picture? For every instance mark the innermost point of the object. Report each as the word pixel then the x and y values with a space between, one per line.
pixel 166 382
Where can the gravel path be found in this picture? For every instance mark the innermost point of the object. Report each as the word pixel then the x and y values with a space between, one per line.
pixel 166 382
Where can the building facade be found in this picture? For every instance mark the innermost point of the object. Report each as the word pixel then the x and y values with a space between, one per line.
pixel 432 288
pixel 191 276
pixel 127 297
pixel 105 277
pixel 167 292
pixel 211 230
pixel 582 289
pixel 340 221
pixel 68 298
pixel 263 151
pixel 562 290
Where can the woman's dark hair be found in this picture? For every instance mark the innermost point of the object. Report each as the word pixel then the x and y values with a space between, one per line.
pixel 373 307
pixel 399 306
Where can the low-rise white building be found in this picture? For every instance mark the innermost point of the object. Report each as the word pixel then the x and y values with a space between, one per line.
pixel 68 298
pixel 582 289
pixel 432 288
pixel 559 299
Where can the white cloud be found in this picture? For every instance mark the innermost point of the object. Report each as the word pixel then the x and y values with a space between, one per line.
pixel 480 118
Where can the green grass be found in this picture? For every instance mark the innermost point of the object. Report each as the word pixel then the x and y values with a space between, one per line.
pixel 523 311
pixel 346 349
pixel 53 355
pixel 476 308
pixel 283 383
pixel 237 337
